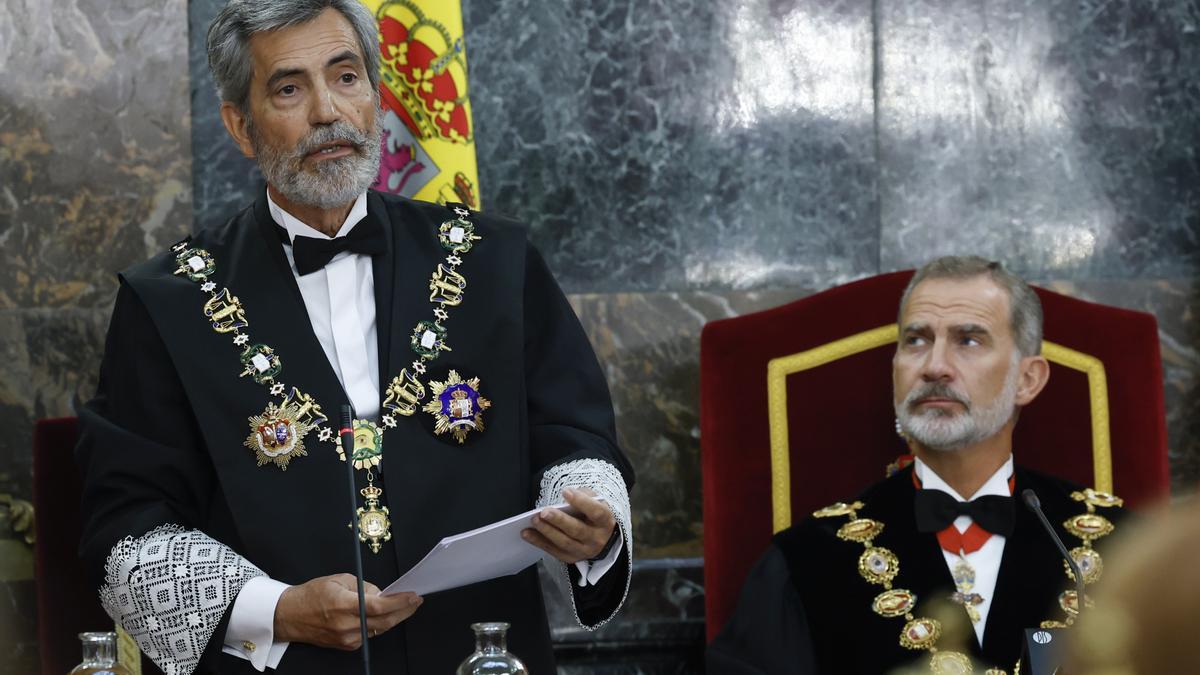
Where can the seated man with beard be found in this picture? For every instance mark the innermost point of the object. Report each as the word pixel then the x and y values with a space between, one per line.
pixel 215 489
pixel 878 584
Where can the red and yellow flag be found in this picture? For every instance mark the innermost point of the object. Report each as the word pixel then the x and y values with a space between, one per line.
pixel 428 137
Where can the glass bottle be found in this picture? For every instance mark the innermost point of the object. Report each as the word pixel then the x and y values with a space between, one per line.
pixel 491 655
pixel 99 655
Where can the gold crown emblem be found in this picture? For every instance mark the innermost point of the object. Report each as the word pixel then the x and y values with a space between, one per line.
pixel 371 492
pixel 424 73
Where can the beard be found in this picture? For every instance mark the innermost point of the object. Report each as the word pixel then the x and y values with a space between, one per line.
pixel 946 430
pixel 329 183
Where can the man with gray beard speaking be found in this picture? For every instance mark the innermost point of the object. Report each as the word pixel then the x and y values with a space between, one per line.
pixel 216 498
pixel 935 568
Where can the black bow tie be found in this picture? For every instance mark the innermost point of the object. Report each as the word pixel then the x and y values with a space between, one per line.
pixel 312 254
pixel 936 510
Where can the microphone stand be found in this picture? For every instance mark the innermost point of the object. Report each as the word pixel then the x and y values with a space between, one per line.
pixel 1035 505
pixel 1042 653
pixel 347 437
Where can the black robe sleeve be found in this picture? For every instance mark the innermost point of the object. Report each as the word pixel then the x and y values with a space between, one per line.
pixel 570 411
pixel 139 451
pixel 768 633
pixel 571 419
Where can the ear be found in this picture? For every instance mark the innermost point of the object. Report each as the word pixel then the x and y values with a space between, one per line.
pixel 236 125
pixel 1035 373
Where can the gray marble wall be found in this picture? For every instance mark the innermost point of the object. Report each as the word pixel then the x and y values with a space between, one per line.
pixel 678 161
pixel 95 174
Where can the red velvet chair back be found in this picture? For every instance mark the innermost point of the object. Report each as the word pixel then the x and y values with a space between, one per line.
pixel 66 604
pixel 840 432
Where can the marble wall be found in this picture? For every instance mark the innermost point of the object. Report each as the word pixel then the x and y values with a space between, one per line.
pixel 95 174
pixel 678 161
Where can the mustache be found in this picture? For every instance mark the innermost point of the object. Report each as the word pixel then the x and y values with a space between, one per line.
pixel 337 132
pixel 935 390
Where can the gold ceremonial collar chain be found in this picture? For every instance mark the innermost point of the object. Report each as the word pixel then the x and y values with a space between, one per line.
pixel 879 565
pixel 277 435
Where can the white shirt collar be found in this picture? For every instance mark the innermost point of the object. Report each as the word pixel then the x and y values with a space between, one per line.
pixel 996 485
pixel 294 227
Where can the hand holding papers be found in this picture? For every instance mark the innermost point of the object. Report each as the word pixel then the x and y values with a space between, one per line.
pixel 577 536
pixel 488 552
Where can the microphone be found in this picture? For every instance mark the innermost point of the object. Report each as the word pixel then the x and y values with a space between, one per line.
pixel 347 437
pixel 1042 651
pixel 1035 505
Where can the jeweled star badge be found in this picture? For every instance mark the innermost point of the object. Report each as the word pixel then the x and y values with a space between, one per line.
pixel 457 406
pixel 277 435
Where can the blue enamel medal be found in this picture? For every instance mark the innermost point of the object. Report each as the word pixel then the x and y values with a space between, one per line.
pixel 456 406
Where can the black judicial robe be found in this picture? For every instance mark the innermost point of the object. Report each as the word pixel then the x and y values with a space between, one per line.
pixel 162 440
pixel 805 609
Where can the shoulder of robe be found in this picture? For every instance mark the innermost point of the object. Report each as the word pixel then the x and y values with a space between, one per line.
pixel 163 264
pixel 429 215
pixel 820 527
pixel 814 551
pixel 1058 494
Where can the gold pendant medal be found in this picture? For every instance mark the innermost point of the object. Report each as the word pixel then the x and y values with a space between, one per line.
pixel 374 525
pixel 950 663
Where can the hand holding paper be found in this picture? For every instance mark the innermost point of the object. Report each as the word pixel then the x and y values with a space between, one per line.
pixel 484 553
pixel 324 612
pixel 574 535
pixel 572 531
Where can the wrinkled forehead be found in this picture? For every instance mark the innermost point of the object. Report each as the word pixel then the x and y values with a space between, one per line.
pixel 304 46
pixel 946 303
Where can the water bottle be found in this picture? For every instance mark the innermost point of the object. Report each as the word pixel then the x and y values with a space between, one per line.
pixel 491 655
pixel 99 655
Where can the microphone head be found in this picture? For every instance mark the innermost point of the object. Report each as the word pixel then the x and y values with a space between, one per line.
pixel 347 416
pixel 1031 499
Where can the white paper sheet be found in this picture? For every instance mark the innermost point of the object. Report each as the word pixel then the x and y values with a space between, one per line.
pixel 488 552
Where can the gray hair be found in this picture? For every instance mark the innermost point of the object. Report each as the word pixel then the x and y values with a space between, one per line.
pixel 1025 309
pixel 230 33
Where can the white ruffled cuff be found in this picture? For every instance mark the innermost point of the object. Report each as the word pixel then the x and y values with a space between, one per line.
pixel 606 481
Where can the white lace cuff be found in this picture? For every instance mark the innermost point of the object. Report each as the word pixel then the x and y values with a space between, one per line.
pixel 169 589
pixel 607 482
